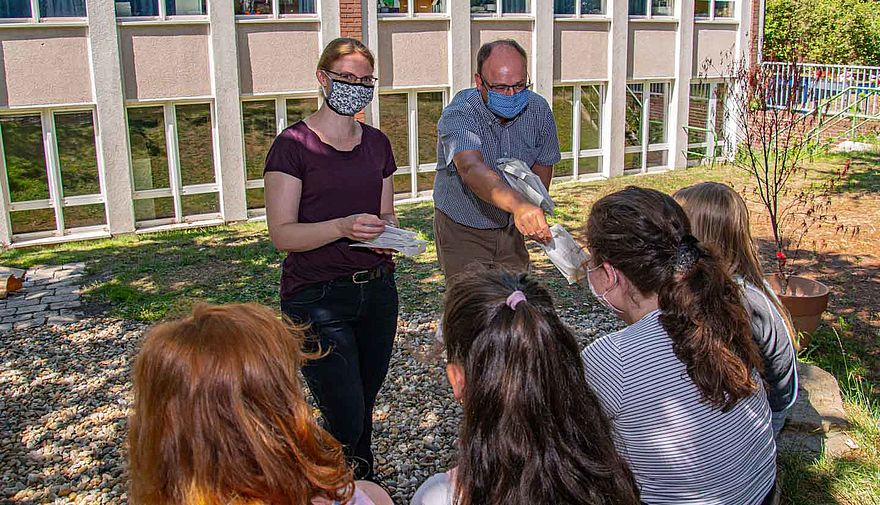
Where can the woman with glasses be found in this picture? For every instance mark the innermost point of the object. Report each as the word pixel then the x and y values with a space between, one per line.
pixel 328 185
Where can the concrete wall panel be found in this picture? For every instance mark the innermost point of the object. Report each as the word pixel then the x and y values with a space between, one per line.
pixel 414 53
pixel 713 43
pixel 487 31
pixel 651 51
pixel 580 51
pixel 44 66
pixel 278 58
pixel 165 61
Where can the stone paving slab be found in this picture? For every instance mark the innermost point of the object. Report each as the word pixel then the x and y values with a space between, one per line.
pixel 817 421
pixel 49 295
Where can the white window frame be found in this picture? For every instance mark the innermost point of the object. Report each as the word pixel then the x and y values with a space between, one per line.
pixel 56 201
pixel 650 11
pixel 411 14
pixel 712 16
pixel 578 14
pixel 576 152
pixel 413 167
pixel 276 14
pixel 37 18
pixel 163 15
pixel 646 147
pixel 281 122
pixel 499 11
pixel 711 139
pixel 176 189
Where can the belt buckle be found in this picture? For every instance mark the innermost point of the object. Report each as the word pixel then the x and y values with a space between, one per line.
pixel 363 274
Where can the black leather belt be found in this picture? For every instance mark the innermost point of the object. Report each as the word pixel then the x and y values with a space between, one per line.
pixel 365 276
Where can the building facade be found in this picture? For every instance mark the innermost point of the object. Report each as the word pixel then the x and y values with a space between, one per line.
pixel 140 115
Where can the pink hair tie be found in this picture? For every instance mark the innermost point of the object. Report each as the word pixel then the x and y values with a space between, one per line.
pixel 514 299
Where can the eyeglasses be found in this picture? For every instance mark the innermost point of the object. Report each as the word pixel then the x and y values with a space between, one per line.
pixel 504 88
pixel 367 80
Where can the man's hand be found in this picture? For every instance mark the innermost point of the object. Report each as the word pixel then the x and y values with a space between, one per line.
pixel 529 220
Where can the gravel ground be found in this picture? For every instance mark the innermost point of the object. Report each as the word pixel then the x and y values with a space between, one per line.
pixel 65 395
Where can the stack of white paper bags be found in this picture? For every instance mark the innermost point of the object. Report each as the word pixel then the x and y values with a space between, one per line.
pixel 564 252
pixel 402 241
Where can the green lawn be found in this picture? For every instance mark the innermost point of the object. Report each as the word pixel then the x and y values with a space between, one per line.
pixel 152 276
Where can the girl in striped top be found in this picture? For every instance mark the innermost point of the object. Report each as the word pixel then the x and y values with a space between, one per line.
pixel 681 383
pixel 719 216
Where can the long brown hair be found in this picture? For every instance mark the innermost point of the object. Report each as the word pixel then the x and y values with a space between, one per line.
pixel 533 430
pixel 646 235
pixel 719 216
pixel 220 417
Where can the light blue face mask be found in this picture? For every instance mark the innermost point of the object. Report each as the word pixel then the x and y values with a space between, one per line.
pixel 508 106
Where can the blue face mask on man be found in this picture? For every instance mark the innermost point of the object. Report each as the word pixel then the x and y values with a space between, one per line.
pixel 508 106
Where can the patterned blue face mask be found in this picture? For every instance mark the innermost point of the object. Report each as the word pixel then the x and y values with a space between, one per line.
pixel 508 106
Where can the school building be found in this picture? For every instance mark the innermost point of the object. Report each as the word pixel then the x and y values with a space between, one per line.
pixel 141 115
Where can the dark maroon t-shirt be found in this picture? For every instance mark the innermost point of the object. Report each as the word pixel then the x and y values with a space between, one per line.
pixel 334 184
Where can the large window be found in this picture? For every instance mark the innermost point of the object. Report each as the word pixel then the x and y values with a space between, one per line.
pixel 160 8
pixel 410 121
pixel 577 110
pixel 49 162
pixel 500 7
pixel 274 8
pixel 263 120
pixel 36 9
pixel 577 8
pixel 713 9
pixel 411 7
pixel 651 8
pixel 172 162
pixel 646 127
pixel 706 122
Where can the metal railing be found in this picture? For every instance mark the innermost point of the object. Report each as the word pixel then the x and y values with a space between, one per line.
pixel 830 88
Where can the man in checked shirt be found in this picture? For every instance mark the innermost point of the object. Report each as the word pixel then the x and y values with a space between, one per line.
pixel 478 217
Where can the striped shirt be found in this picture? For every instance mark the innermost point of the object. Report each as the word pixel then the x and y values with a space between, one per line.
pixel 681 449
pixel 467 125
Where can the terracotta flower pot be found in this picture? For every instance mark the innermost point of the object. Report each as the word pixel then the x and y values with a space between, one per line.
pixel 805 300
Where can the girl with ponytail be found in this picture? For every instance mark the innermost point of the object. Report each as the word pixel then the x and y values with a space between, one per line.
pixel 681 383
pixel 719 216
pixel 533 431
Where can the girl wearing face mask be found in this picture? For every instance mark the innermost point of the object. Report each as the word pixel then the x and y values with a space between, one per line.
pixel 682 382
pixel 328 185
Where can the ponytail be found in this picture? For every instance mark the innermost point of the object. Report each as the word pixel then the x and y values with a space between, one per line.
pixel 702 312
pixel 522 367
pixel 646 235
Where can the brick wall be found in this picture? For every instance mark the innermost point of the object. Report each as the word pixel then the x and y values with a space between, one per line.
pixel 754 31
pixel 350 19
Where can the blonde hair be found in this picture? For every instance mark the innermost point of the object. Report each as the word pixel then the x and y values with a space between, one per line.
pixel 343 46
pixel 220 415
pixel 719 216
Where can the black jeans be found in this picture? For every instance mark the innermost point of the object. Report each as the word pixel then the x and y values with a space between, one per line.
pixel 355 325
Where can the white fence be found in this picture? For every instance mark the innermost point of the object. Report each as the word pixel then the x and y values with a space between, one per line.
pixel 830 88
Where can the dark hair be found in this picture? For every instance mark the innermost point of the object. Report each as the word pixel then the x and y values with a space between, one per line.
pixel 646 235
pixel 533 431
pixel 486 51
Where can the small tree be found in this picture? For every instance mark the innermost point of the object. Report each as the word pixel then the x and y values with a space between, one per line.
pixel 774 114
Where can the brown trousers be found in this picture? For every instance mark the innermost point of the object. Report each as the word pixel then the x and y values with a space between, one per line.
pixel 460 246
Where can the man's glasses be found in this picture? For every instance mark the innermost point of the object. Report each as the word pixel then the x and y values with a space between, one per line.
pixel 367 80
pixel 504 88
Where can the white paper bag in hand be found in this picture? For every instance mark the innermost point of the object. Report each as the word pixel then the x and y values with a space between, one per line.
pixel 566 254
pixel 402 241
pixel 521 178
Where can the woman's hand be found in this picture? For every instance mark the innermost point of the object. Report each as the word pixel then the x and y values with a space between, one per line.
pixel 361 227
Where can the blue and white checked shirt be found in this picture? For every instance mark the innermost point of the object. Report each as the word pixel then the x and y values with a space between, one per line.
pixel 465 125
